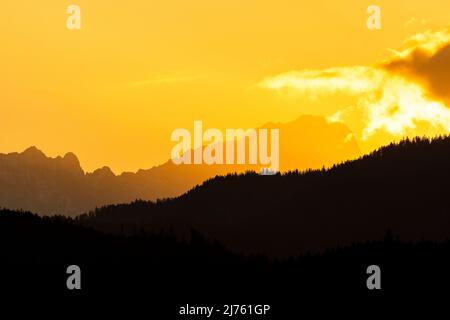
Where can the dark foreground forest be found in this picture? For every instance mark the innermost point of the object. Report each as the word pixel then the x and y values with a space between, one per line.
pixel 160 273
pixel 253 239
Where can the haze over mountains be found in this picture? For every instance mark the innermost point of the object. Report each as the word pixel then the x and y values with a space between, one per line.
pixel 32 181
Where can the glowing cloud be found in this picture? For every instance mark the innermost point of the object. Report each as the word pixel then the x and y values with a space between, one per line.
pixel 399 105
pixel 428 41
pixel 353 80
pixel 389 101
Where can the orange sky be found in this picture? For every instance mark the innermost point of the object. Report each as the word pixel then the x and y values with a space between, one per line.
pixel 113 91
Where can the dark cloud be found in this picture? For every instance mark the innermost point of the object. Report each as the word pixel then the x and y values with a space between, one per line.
pixel 431 70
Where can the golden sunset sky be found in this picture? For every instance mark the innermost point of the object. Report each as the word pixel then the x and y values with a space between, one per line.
pixel 113 91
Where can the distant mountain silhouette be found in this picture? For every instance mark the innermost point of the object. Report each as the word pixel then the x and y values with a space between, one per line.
pixel 402 187
pixel 32 181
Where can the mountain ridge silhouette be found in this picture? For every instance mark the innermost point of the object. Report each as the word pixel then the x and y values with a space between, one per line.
pixel 401 187
pixel 32 181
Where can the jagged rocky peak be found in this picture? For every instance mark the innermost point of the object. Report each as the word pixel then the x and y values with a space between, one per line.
pixel 34 153
pixel 71 158
pixel 104 172
pixel 70 161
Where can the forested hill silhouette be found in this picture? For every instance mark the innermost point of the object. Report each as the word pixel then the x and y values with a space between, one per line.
pixel 32 181
pixel 164 271
pixel 401 187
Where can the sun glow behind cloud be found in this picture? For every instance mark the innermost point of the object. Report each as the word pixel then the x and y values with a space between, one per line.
pixel 388 101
